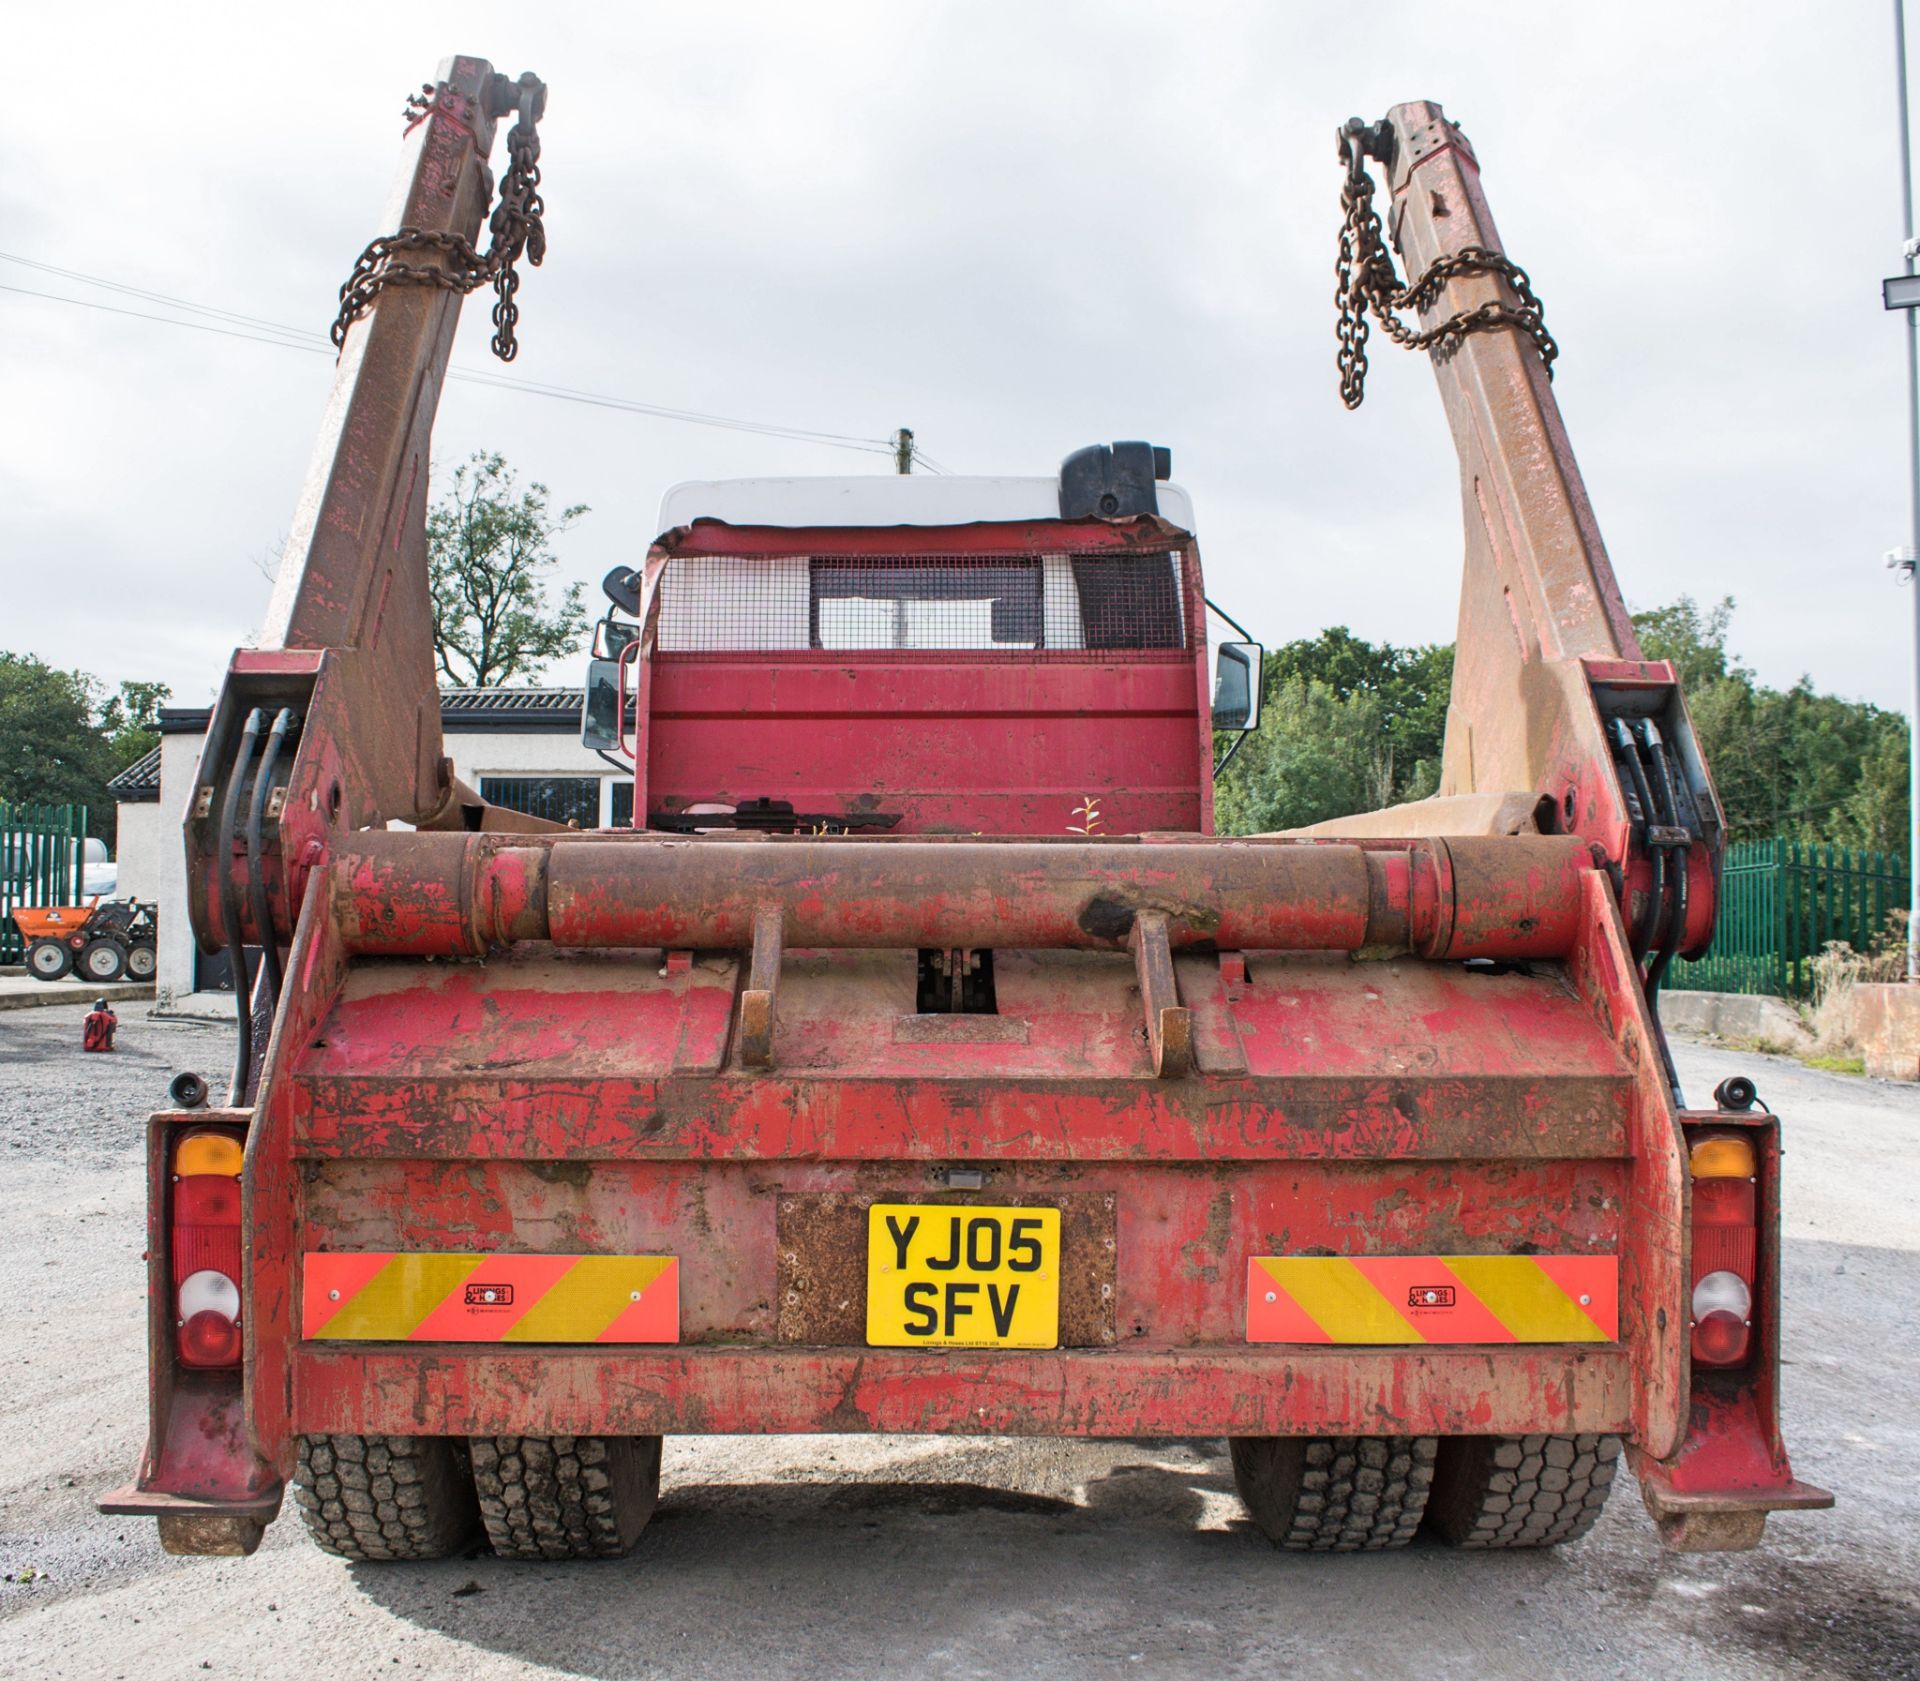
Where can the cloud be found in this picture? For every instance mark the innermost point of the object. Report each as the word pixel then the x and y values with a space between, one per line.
pixel 1016 229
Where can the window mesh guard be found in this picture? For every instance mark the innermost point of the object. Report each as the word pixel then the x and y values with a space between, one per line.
pixel 1053 604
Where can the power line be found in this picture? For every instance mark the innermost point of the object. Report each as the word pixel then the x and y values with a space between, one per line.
pixel 297 338
pixel 165 320
pixel 160 297
pixel 632 405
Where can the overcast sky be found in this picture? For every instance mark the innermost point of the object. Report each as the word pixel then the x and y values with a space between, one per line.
pixel 1016 228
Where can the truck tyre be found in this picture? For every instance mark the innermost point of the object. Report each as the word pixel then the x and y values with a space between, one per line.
pixel 141 962
pixel 565 1496
pixel 1339 1494
pixel 103 960
pixel 49 959
pixel 386 1497
pixel 1520 1491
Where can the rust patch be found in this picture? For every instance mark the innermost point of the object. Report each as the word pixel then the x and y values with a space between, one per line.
pixel 822 1268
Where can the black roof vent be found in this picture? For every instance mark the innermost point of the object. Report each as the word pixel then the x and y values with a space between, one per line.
pixel 1113 481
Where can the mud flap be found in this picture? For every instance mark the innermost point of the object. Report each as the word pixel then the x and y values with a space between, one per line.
pixel 1714 1495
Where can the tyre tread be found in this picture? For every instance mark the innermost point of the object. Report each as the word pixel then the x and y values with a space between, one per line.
pixel 557 1497
pixel 386 1497
pixel 1521 1491
pixel 1335 1493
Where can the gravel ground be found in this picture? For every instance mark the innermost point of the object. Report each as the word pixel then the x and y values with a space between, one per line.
pixel 839 1556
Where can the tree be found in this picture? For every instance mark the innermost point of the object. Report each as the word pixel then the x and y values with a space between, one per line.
pixel 1694 642
pixel 1346 726
pixel 1317 755
pixel 1351 726
pixel 1792 763
pixel 488 560
pixel 59 744
pixel 131 719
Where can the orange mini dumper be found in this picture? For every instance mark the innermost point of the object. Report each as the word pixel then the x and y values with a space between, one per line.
pixel 99 942
pixel 845 1090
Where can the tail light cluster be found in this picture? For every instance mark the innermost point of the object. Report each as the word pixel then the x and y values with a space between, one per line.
pixel 1725 1246
pixel 206 1248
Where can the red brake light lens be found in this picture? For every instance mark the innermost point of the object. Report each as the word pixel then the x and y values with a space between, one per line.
pixel 1720 1339
pixel 1723 1202
pixel 1722 1319
pixel 210 1338
pixel 206 1199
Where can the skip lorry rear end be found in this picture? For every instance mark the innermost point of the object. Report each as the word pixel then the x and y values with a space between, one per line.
pixel 920 1058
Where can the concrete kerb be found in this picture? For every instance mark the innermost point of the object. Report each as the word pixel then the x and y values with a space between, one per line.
pixel 1736 1015
pixel 194 1006
pixel 20 991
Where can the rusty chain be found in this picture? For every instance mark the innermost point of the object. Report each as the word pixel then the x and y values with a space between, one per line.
pixel 516 228
pixel 1368 284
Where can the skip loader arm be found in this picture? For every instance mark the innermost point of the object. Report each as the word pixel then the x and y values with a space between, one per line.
pixel 330 724
pixel 1553 705
pixel 346 655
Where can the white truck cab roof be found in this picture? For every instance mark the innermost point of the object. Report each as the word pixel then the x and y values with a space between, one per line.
pixel 880 499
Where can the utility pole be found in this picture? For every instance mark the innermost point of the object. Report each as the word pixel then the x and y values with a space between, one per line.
pixel 1906 560
pixel 903 439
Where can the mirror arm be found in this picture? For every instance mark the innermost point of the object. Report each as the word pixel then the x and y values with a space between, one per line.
pixel 1213 606
pixel 1226 757
pixel 630 654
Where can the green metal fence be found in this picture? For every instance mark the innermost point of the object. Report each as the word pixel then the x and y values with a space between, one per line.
pixel 1781 902
pixel 40 857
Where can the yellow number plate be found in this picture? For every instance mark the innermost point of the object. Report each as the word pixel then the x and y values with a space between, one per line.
pixel 951 1276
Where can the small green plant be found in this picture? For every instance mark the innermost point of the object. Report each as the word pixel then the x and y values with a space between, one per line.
pixel 1088 811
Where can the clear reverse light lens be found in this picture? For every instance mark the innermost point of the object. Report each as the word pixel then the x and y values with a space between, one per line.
pixel 213 1292
pixel 1722 1292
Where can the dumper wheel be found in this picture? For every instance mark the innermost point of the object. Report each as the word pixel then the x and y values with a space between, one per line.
pixel 1520 1491
pixel 102 961
pixel 1340 1494
pixel 565 1496
pixel 386 1497
pixel 49 959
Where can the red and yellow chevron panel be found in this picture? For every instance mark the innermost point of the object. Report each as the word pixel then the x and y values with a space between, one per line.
pixel 1433 1298
pixel 400 1297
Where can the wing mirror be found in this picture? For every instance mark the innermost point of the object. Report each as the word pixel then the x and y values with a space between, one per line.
pixel 611 637
pixel 1236 685
pixel 600 713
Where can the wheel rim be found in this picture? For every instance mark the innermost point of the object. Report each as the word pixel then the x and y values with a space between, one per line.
pixel 102 963
pixel 47 960
pixel 140 961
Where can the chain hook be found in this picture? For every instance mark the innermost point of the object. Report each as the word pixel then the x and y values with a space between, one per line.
pixel 1351 138
pixel 516 226
pixel 1368 284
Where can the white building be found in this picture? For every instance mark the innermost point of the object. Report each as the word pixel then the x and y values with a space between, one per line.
pixel 517 747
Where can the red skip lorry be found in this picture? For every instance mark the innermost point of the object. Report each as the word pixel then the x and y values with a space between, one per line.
pixel 918 1058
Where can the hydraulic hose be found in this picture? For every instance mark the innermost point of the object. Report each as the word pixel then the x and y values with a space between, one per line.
pixel 1676 924
pixel 1676 927
pixel 256 867
pixel 230 908
pixel 1629 758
